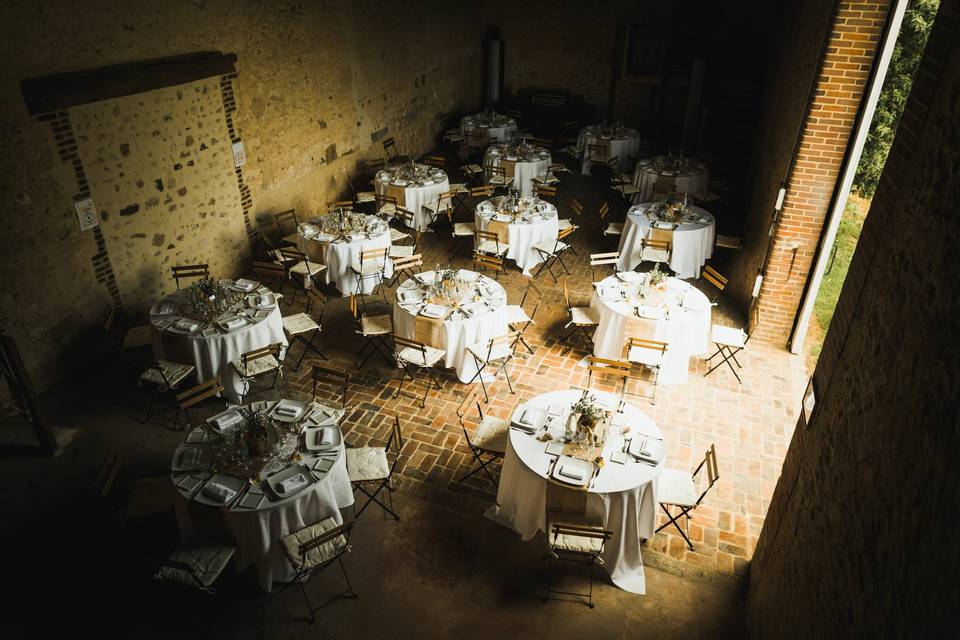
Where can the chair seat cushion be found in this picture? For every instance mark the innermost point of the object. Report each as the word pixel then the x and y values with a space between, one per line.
pixel 397 236
pixel 492 247
pixel 137 337
pixel 492 434
pixel 729 337
pixel 365 464
pixel 402 250
pixel 552 247
pixel 299 323
pixel 255 367
pixel 650 254
pixel 676 487
pixel 174 372
pixel 375 325
pixel 499 180
pixel 464 228
pixel 613 229
pixel 645 356
pixel 584 315
pixel 366 196
pixel 481 351
pixel 367 268
pixel 573 542
pixel 426 358
pixel 471 169
pixel 301 268
pixel 388 208
pixel 207 562
pixel 516 314
pixel 318 555
pixel 458 187
pixel 563 223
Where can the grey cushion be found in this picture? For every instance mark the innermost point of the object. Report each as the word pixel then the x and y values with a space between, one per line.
pixel 318 555
pixel 206 562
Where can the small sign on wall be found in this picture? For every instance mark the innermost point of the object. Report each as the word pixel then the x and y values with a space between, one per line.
pixel 86 214
pixel 239 155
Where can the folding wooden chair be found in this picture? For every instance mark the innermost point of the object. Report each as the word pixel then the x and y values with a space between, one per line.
pixel 304 273
pixel 658 247
pixel 606 367
pixel 544 192
pixel 442 209
pixel 370 470
pixel 729 342
pixel 609 259
pixel 190 398
pixel 406 247
pixel 375 329
pixel 715 278
pixel 463 234
pixel 551 253
pixel 163 376
pixel 482 192
pixel 680 489
pixel 305 326
pixel 287 225
pixel 495 353
pixel 386 206
pixel 517 315
pixel 372 266
pixel 312 549
pixel 268 273
pixel 188 271
pixel 483 261
pixel 434 161
pixel 128 497
pixel 410 354
pixel 338 380
pixel 570 224
pixel 488 243
pixel 648 354
pixel 337 205
pixel 489 439
pixel 609 228
pixel 125 339
pixel 390 149
pixel 496 176
pixel 581 318
pixel 257 363
pixel 408 267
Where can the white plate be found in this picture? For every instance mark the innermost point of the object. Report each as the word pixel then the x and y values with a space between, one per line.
pixel 323 416
pixel 250 501
pixel 647 448
pixel 573 466
pixel 184 326
pixel 299 408
pixel 473 308
pixel 232 324
pixel 230 482
pixel 245 285
pixel 275 481
pixel 435 311
pixel 529 418
pixel 313 436
pixel 181 464
pixel 629 276
pixel 262 301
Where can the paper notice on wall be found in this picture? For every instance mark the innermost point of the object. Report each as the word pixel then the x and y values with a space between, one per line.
pixel 86 214
pixel 239 155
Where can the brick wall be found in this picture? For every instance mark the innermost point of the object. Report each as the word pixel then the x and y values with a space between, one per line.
pixel 318 86
pixel 841 81
pixel 859 540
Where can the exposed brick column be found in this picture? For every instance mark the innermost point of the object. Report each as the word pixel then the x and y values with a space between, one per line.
pixel 841 82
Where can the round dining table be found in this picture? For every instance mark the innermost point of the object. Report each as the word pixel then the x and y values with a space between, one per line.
pixel 622 495
pixel 666 175
pixel 520 223
pixel 250 322
pixel 622 142
pixel 217 495
pixel 413 187
pixel 493 127
pixel 680 317
pixel 473 316
pixel 521 163
pixel 326 243
pixel 692 237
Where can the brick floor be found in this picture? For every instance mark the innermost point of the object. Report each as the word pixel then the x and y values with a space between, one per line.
pixel 751 424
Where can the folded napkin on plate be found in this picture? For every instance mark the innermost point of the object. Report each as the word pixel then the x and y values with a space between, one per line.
pixel 166 308
pixel 287 411
pixel 292 483
pixel 186 324
pixel 233 323
pixel 218 492
pixel 190 457
pixel 324 437
pixel 571 472
pixel 221 422
pixel 245 285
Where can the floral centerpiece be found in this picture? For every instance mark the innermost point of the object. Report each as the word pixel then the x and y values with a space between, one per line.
pixel 656 286
pixel 208 298
pixel 413 172
pixel 586 420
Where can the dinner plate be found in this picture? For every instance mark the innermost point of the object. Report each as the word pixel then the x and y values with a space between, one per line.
pixel 244 284
pixel 528 418
pixel 572 471
pixel 314 438
pixel 185 460
pixel 287 410
pixel 232 324
pixel 434 311
pixel 262 301
pixel 276 481
pixel 647 448
pixel 232 487
pixel 322 416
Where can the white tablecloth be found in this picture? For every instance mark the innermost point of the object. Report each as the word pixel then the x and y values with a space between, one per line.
pixel 502 129
pixel 525 168
pixel 694 178
pixel 523 235
pixel 692 241
pixel 414 197
pixel 459 334
pixel 256 532
pixel 624 145
pixel 623 495
pixel 212 354
pixel 339 255
pixel 685 328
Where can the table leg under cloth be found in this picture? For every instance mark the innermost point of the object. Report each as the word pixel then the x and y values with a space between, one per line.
pixel 256 533
pixel 629 515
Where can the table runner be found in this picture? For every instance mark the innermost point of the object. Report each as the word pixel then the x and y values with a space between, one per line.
pixel 430 331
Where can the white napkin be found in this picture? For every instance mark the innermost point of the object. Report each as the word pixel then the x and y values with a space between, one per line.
pixel 324 437
pixel 571 472
pixel 233 323
pixel 287 411
pixel 245 285
pixel 186 324
pixel 225 420
pixel 218 492
pixel 292 483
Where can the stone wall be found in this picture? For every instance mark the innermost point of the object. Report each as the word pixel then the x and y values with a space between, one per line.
pixel 319 86
pixel 859 539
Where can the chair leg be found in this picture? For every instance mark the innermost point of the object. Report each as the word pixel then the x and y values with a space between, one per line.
pixel 546 596
pixel 310 609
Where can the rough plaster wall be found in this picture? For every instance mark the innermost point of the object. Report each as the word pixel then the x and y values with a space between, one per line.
pixel 794 63
pixel 162 176
pixel 860 540
pixel 320 84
